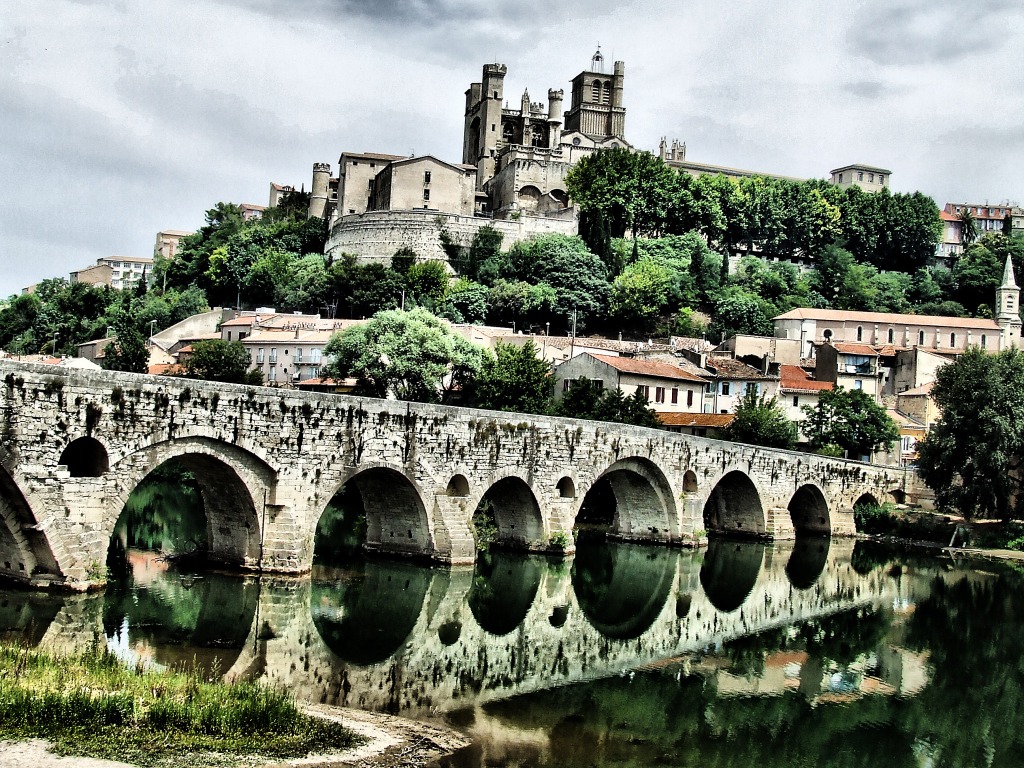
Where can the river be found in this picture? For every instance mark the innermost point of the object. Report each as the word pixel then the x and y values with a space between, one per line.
pixel 807 653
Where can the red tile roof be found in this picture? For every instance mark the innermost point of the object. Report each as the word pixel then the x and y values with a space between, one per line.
pixel 796 379
pixel 648 368
pixel 850 348
pixel 887 318
pixel 715 420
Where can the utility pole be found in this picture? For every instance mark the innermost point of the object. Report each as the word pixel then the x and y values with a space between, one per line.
pixel 572 340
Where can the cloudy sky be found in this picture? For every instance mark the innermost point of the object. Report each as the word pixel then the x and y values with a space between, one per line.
pixel 119 118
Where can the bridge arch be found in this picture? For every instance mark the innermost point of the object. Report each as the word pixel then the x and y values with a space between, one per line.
pixel 734 506
pixel 85 457
pixel 396 516
pixel 809 511
pixel 729 572
pixel 25 553
pixel 516 512
pixel 638 499
pixel 234 485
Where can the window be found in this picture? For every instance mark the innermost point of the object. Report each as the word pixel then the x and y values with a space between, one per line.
pixel 659 394
pixel 298 356
pixel 796 401
pixel 675 395
pixel 598 384
pixel 272 376
pixel 920 337
pixel 689 397
pixel 827 334
pixel 752 388
pixel 725 387
pixel 952 339
pixel 858 384
pixel 892 335
pixel 426 194
pixel 644 391
pixel 369 185
pixel 860 333
pixel 565 385
pixel 840 178
pixel 984 341
pixel 871 178
pixel 426 177
pixel 881 178
pixel 315 355
pixel 259 356
pixel 273 357
pixel 860 176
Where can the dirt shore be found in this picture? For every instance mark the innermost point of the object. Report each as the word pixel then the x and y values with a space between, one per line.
pixel 392 742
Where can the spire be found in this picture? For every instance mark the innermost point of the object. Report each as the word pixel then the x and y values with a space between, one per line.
pixel 1008 278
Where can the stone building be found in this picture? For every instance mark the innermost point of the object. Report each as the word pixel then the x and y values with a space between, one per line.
pixel 116 271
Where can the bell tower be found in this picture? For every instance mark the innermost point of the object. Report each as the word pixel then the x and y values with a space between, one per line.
pixel 483 121
pixel 596 109
pixel 1008 308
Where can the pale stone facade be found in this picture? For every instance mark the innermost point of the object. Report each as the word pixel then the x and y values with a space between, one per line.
pixel 868 177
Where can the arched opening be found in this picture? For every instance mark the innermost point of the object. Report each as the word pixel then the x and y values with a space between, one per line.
pixel 899 496
pixel 85 457
pixel 606 92
pixel 508 516
pixel 194 509
pixel 458 486
pixel 807 561
pixel 364 615
pixel 734 507
pixel 622 588
pixel 508 132
pixel 560 198
pixel 25 553
pixel 566 488
pixel 630 500
pixel 376 510
pixel 474 140
pixel 730 571
pixel 596 91
pixel 809 511
pixel 690 481
pixel 504 587
pixel 529 198
pixel 867 513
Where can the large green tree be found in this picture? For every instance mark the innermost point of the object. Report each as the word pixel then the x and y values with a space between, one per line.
pixel 127 351
pixel 760 421
pixel 225 361
pixel 972 455
pixel 850 420
pixel 583 400
pixel 407 355
pixel 515 379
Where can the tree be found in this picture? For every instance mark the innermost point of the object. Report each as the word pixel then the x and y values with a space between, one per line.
pixel 850 420
pixel 406 355
pixel 464 302
pixel 968 227
pixel 972 455
pixel 640 293
pixel 760 421
pixel 633 190
pixel 738 311
pixel 515 379
pixel 224 361
pixel 583 400
pixel 127 352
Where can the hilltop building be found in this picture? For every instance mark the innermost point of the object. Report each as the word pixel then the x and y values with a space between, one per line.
pixel 115 271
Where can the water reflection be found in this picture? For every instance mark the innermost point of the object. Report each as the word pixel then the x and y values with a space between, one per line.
pixel 26 616
pixel 504 586
pixel 621 588
pixel 365 615
pixel 806 563
pixel 730 571
pixel 161 616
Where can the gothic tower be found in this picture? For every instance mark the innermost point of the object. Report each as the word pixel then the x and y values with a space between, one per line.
pixel 1008 308
pixel 597 109
pixel 483 121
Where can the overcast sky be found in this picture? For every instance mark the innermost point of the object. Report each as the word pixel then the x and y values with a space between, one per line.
pixel 119 118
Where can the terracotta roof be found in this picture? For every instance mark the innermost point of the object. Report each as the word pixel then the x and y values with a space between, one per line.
pixel 948 216
pixel 889 318
pixel 851 348
pixel 923 391
pixel 162 369
pixel 902 420
pixel 327 382
pixel 728 368
pixel 612 345
pixel 696 419
pixel 648 368
pixel 796 379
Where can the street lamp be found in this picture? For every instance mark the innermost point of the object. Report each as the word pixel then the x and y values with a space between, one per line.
pixel 152 323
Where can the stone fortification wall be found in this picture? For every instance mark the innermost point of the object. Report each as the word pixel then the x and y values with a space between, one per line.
pixel 375 236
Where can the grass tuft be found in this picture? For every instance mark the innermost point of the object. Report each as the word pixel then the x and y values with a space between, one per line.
pixel 88 704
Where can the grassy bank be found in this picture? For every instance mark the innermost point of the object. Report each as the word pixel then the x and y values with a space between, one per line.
pixel 90 705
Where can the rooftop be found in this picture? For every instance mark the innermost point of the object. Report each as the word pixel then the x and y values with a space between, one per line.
pixel 887 318
pixel 727 368
pixel 714 420
pixel 796 379
pixel 648 368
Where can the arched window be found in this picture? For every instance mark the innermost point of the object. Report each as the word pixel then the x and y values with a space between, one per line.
pixel 920 338
pixel 860 333
pixel 892 335
pixel 596 92
pixel 984 341
pixel 606 94
pixel 827 334
pixel 952 339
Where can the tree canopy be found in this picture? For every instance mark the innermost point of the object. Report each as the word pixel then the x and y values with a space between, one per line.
pixel 224 361
pixel 515 379
pixel 760 421
pixel 972 455
pixel 850 420
pixel 583 400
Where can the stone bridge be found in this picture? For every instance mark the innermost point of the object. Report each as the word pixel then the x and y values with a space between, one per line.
pixel 74 444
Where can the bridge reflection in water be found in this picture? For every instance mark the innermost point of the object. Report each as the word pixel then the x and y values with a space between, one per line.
pixel 395 637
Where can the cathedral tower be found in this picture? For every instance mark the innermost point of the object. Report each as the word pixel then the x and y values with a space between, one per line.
pixel 483 121
pixel 1008 308
pixel 597 110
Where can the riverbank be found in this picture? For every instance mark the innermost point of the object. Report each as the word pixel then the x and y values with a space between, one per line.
pixel 388 742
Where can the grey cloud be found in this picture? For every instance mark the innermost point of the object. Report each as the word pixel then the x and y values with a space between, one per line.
pixel 871 90
pixel 922 31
